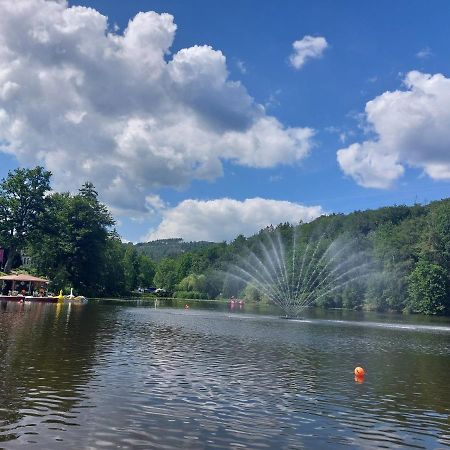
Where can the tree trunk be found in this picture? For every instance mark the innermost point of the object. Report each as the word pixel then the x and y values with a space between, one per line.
pixel 9 262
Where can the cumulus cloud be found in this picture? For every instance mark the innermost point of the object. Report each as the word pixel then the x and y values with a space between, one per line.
pixel 309 47
pixel 412 128
pixel 120 110
pixel 223 219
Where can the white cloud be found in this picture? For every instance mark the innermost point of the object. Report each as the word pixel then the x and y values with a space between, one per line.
pixel 309 47
pixel 120 110
pixel 241 66
pixel 424 53
pixel 223 219
pixel 412 129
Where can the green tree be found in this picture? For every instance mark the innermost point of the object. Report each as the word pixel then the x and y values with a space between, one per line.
pixel 352 295
pixel 214 283
pixel 22 208
pixel 429 289
pixel 147 270
pixel 131 268
pixel 166 274
pixel 436 242
pixel 184 265
pixel 74 241
pixel 251 294
pixel 113 274
pixel 192 282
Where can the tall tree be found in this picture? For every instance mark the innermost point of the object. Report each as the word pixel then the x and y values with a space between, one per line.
pixel 147 270
pixel 131 268
pixel 429 289
pixel 166 274
pixel 73 247
pixel 22 208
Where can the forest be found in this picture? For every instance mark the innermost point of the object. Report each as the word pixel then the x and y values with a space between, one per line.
pixel 71 239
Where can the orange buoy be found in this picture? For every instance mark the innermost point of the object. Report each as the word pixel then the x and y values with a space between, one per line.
pixel 359 372
pixel 359 379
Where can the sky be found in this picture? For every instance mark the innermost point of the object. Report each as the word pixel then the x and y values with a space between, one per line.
pixel 207 119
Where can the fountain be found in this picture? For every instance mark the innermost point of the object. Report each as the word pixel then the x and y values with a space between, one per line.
pixel 293 273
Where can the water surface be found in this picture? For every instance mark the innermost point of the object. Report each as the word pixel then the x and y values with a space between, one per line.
pixel 114 375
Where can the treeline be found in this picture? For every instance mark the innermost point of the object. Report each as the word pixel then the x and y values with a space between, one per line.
pixel 71 239
pixel 408 247
pixel 169 248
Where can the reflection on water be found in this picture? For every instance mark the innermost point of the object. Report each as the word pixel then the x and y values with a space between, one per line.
pixel 108 376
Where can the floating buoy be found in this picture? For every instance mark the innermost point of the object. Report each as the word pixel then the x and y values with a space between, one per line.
pixel 186 306
pixel 359 379
pixel 359 372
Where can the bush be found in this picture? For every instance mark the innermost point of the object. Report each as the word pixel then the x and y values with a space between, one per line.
pixel 194 295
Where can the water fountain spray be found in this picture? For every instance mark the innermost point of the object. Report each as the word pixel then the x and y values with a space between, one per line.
pixel 294 274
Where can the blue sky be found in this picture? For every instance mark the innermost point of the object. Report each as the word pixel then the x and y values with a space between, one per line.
pixel 215 129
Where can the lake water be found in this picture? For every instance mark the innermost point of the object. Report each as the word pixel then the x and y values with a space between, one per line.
pixel 106 375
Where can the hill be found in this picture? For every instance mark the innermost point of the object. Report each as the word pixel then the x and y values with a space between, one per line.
pixel 408 245
pixel 169 248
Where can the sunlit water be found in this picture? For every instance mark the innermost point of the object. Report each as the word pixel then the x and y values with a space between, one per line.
pixel 118 376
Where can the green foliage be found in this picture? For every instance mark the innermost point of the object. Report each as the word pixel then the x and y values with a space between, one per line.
pixel 436 245
pixel 147 270
pixel 166 275
pixel 74 241
pixel 164 248
pixel 395 238
pixel 131 268
pixel 429 289
pixel 114 272
pixel 71 240
pixel 251 294
pixel 214 283
pixel 192 283
pixel 22 208
pixel 375 295
pixel 352 296
pixel 194 295
pixel 232 287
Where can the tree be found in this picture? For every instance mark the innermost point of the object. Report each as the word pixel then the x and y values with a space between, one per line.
pixel 22 208
pixel 147 270
pixel 166 274
pixel 131 268
pixel 214 283
pixel 192 283
pixel 251 294
pixel 113 277
pixel 429 289
pixel 436 245
pixel 74 241
pixel 184 265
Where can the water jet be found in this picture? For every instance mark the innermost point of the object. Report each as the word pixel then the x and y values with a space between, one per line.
pixel 294 272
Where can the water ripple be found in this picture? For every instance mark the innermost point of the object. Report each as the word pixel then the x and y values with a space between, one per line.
pixel 112 377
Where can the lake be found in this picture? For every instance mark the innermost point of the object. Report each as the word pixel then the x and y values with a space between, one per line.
pixel 119 375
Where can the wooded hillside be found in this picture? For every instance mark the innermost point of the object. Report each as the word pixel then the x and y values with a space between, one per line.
pixel 70 238
pixel 409 247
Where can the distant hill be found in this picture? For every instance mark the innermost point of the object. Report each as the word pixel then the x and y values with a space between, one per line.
pixel 163 248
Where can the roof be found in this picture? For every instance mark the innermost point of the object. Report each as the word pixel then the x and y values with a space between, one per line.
pixel 23 277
